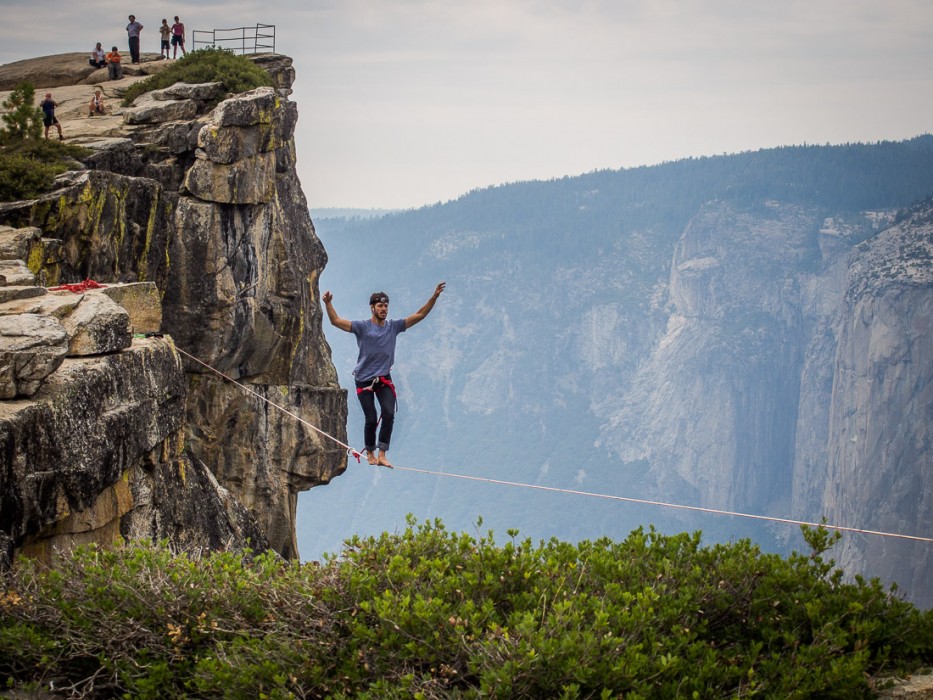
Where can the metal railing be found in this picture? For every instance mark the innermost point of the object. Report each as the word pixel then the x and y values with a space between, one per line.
pixel 241 40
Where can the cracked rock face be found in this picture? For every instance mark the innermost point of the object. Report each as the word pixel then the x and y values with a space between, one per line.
pixel 879 454
pixel 207 205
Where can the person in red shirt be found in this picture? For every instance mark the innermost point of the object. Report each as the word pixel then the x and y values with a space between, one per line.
pixel 178 38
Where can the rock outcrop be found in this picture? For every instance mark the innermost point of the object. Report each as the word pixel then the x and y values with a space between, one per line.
pixel 204 202
pixel 70 69
pixel 880 447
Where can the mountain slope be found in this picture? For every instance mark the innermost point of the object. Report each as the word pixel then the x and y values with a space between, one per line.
pixel 667 333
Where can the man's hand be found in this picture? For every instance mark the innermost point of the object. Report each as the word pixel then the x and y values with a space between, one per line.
pixel 419 315
pixel 335 320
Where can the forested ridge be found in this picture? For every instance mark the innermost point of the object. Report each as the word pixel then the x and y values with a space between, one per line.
pixel 839 179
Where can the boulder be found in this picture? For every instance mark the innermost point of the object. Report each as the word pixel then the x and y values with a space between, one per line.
pixel 14 273
pixel 141 301
pixel 247 181
pixel 147 110
pixel 20 292
pixel 226 145
pixel 97 325
pixel 254 107
pixel 55 304
pixel 190 91
pixel 47 71
pixel 280 68
pixel 178 137
pixel 31 348
pixel 15 243
pixel 101 75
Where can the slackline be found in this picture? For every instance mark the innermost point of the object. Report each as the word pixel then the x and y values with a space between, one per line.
pixel 590 494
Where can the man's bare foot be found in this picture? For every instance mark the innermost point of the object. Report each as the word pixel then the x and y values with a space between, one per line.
pixel 371 458
pixel 383 460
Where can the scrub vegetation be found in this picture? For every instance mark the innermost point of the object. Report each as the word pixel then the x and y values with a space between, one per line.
pixel 430 613
pixel 210 65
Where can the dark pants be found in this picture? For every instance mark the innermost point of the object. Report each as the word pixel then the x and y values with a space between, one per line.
pixel 134 49
pixel 387 408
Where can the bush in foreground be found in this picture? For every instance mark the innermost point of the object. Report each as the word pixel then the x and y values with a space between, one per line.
pixel 210 65
pixel 434 614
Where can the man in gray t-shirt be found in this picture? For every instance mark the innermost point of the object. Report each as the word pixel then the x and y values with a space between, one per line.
pixel 376 340
pixel 132 32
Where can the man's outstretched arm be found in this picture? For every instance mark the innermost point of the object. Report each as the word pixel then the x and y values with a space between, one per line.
pixel 335 320
pixel 426 309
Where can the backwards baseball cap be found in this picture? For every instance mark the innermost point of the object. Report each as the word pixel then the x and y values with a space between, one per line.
pixel 378 298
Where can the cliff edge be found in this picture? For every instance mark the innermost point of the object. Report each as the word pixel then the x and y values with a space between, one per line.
pixel 195 192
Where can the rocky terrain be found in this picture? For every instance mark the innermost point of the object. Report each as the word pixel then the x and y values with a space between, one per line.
pixel 192 217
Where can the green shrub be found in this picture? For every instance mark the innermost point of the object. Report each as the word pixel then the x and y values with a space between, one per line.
pixel 433 614
pixel 29 167
pixel 237 73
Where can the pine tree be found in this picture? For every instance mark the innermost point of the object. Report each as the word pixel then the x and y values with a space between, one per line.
pixel 23 119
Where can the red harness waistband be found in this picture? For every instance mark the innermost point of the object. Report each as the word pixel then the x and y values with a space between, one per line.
pixel 378 380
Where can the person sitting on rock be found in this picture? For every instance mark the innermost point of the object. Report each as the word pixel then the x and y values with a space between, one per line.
pixel 97 105
pixel 98 57
pixel 113 64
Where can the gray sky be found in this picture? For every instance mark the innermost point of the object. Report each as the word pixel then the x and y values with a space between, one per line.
pixel 409 102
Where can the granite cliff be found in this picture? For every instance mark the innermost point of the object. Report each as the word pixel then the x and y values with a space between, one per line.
pixel 195 192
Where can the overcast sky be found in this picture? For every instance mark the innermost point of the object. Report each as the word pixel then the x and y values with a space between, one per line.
pixel 409 102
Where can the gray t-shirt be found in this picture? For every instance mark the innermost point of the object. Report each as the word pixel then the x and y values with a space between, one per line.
pixel 377 347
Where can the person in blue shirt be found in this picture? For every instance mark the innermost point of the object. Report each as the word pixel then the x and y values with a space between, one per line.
pixel 375 338
pixel 48 106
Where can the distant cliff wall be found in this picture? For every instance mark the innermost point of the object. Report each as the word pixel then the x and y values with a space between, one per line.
pixel 794 378
pixel 880 446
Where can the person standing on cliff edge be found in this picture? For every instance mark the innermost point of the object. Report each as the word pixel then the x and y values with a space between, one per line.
pixel 132 32
pixel 376 340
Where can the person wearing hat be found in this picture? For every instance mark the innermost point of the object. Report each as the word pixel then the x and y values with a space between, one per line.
pixel 375 338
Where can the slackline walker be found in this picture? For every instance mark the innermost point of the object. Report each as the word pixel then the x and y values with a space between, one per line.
pixel 714 511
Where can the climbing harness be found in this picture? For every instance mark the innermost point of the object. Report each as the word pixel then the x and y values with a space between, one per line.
pixel 374 385
pixel 715 511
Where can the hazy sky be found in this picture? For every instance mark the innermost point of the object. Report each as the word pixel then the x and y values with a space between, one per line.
pixel 410 102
